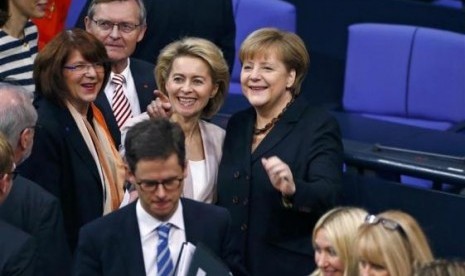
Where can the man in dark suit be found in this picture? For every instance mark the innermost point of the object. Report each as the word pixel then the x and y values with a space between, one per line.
pixel 17 249
pixel 171 20
pixel 29 207
pixel 125 241
pixel 120 25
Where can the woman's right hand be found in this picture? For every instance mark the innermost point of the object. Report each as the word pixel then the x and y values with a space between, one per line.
pixel 160 107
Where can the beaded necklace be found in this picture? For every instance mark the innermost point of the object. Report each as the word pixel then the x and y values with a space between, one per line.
pixel 258 131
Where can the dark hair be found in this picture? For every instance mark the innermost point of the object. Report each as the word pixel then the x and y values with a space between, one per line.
pixel 153 139
pixel 4 10
pixel 48 65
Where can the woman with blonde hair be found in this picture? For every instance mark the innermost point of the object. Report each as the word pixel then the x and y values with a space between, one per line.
pixel 333 241
pixel 193 79
pixel 391 243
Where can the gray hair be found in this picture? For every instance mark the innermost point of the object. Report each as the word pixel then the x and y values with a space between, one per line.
pixel 16 111
pixel 142 13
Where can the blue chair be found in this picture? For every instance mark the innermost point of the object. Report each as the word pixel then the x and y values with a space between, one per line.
pixel 406 74
pixel 251 15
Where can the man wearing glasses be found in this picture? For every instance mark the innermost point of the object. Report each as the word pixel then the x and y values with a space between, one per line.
pixel 145 237
pixel 120 25
pixel 29 207
pixel 17 249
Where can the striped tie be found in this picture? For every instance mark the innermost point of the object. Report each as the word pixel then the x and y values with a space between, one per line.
pixel 120 104
pixel 164 263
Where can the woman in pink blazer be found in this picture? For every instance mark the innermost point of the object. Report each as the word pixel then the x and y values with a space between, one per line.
pixel 193 78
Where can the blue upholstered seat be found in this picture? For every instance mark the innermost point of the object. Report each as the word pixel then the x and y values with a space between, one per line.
pixel 406 74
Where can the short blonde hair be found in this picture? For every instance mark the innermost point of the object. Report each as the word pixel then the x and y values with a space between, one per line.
pixel 204 50
pixel 6 155
pixel 289 47
pixel 341 224
pixel 398 250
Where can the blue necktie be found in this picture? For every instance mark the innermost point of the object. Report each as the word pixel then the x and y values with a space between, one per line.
pixel 164 263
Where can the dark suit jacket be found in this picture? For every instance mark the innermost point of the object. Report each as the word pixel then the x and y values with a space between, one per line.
pixel 276 240
pixel 170 20
pixel 61 163
pixel 17 251
pixel 111 245
pixel 144 79
pixel 38 213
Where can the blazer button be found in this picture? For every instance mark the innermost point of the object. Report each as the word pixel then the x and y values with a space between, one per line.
pixel 245 202
pixel 235 199
pixel 237 174
pixel 244 227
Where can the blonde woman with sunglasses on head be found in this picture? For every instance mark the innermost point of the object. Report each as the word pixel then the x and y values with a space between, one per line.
pixel 391 244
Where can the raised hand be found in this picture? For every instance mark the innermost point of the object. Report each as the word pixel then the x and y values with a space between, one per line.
pixel 160 107
pixel 280 175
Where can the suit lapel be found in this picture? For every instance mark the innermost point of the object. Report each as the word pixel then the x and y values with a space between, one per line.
pixel 130 243
pixel 143 88
pixel 192 227
pixel 281 129
pixel 74 137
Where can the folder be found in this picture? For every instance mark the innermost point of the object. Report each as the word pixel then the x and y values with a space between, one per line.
pixel 199 261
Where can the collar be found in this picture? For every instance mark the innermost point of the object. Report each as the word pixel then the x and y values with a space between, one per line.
pixel 148 224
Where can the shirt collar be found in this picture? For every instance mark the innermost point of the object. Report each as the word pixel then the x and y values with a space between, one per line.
pixel 148 224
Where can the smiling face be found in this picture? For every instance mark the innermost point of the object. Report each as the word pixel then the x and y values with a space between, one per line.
pixel 119 45
pixel 190 86
pixel 160 203
pixel 28 8
pixel 264 81
pixel 326 258
pixel 83 86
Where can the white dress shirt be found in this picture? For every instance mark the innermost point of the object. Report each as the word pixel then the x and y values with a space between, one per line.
pixel 129 89
pixel 149 237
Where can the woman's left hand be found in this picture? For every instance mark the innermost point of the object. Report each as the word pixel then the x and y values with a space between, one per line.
pixel 280 175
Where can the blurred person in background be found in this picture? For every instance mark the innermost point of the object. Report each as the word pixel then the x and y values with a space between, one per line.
pixel 18 40
pixel 391 243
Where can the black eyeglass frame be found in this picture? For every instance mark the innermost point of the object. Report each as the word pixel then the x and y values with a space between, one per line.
pixel 386 223
pixel 169 184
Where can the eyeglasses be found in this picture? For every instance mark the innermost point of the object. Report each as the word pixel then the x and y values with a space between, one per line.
pixel 124 27
pixel 82 68
pixel 169 184
pixel 386 223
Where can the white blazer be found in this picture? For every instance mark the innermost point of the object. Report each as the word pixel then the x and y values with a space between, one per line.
pixel 212 140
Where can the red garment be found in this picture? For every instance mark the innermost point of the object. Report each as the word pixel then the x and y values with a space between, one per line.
pixel 53 22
